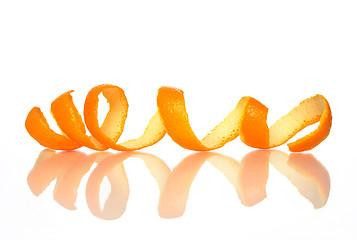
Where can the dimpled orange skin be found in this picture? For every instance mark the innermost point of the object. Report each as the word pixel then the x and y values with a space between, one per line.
pixel 254 130
pixel 38 128
pixel 70 121
pixel 252 125
pixel 248 120
pixel 111 129
pixel 171 105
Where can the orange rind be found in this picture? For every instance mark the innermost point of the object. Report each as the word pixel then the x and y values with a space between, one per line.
pixel 310 111
pixel 247 120
pixel 113 125
pixel 37 126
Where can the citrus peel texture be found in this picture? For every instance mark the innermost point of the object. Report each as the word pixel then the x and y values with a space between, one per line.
pixel 247 120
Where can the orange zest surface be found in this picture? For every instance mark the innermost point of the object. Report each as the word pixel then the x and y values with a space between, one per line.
pixel 247 120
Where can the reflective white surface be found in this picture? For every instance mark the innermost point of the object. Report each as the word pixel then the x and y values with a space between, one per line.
pixel 213 206
pixel 249 177
pixel 217 52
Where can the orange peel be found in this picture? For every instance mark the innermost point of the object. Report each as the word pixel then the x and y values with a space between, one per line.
pixel 113 125
pixel 38 128
pixel 247 120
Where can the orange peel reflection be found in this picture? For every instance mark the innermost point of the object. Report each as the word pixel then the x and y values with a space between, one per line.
pixel 174 196
pixel 65 192
pixel 249 178
pixel 247 120
pixel 67 167
pixel 253 177
pixel 49 166
pixel 115 204
pixel 306 173
pixel 112 168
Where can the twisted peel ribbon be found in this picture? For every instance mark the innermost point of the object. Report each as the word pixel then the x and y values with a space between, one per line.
pixel 247 120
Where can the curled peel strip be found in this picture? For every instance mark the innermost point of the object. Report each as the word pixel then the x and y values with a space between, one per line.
pixel 247 120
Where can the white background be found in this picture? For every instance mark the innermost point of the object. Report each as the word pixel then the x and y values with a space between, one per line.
pixel 279 52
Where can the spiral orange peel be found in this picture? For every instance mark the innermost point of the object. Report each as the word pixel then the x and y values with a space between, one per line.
pixel 247 120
